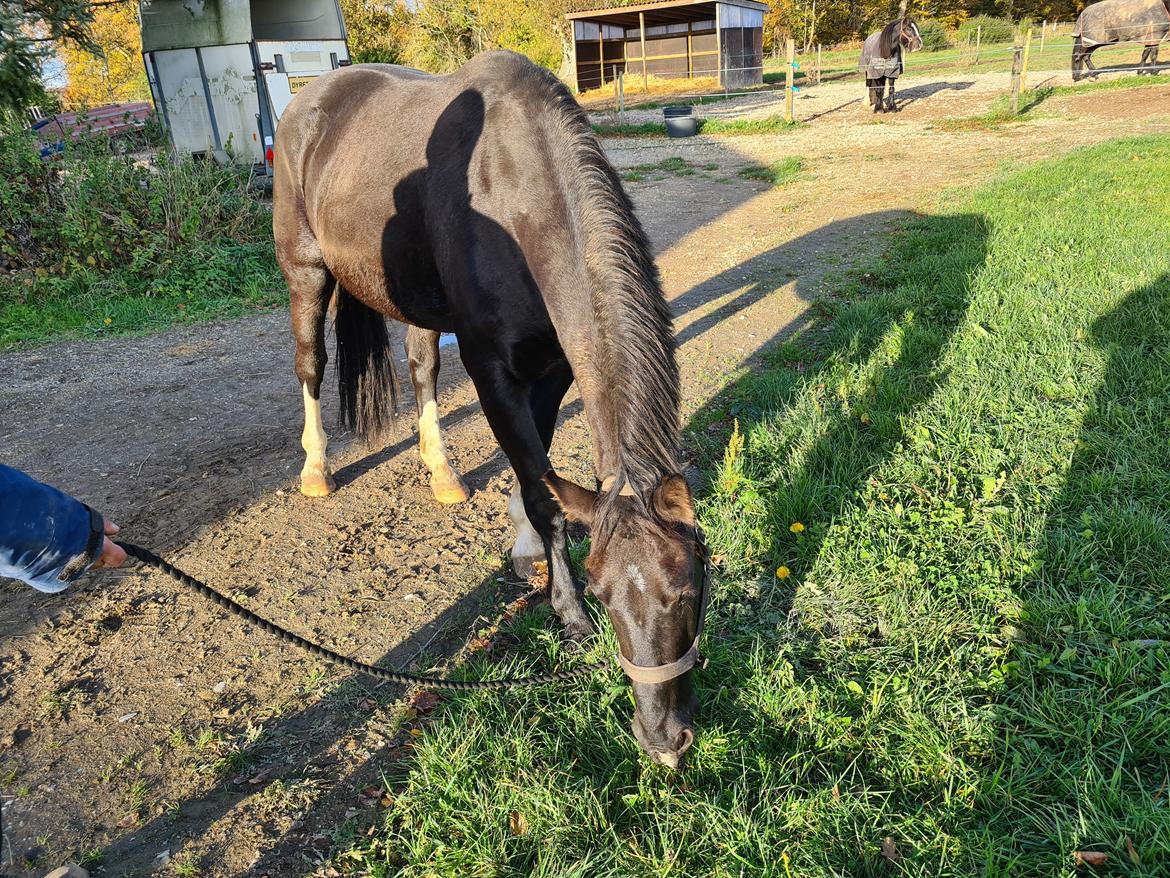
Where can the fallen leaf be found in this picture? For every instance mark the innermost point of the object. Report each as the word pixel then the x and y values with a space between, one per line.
pixel 367 704
pixel 372 792
pixel 128 820
pixel 415 732
pixel 517 823
pixel 426 701
pixel 890 850
pixel 386 801
pixel 1090 858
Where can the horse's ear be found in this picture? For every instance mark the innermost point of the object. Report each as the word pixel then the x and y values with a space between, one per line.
pixel 672 500
pixel 576 502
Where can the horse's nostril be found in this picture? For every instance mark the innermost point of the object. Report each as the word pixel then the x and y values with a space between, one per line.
pixel 683 742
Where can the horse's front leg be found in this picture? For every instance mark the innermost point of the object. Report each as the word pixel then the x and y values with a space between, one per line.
pixel 422 352
pixel 518 414
pixel 891 104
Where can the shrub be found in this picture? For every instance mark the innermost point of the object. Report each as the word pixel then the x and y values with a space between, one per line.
pixel 995 30
pixel 934 35
pixel 92 207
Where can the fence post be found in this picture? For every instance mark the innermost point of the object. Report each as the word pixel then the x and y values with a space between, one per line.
pixel 790 51
pixel 818 63
pixel 621 96
pixel 1043 31
pixel 1024 63
pixel 1017 63
pixel 978 40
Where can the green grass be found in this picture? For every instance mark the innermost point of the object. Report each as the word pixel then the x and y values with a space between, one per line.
pixel 208 282
pixel 718 127
pixel 787 170
pixel 971 655
pixel 1001 112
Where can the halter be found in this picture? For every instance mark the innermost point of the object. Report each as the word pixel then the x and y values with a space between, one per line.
pixel 702 574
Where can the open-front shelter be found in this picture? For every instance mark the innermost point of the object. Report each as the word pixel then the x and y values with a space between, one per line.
pixel 674 38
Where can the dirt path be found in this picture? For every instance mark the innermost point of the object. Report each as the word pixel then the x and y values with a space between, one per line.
pixel 137 722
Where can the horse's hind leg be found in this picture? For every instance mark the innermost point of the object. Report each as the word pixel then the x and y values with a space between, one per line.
pixel 422 350
pixel 310 286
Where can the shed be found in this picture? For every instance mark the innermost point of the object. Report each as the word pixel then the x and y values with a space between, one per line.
pixel 674 38
pixel 222 71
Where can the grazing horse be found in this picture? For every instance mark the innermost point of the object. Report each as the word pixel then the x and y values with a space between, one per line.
pixel 881 60
pixel 1119 21
pixel 481 203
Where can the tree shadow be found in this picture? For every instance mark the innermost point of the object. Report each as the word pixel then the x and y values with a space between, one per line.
pixel 1081 757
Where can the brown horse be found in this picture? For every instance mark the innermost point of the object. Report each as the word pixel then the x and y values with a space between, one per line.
pixel 481 203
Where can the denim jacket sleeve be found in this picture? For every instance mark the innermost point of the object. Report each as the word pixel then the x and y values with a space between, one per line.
pixel 47 538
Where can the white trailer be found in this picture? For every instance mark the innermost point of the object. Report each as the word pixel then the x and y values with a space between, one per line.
pixel 223 71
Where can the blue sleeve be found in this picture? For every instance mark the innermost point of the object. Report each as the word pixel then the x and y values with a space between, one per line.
pixel 47 538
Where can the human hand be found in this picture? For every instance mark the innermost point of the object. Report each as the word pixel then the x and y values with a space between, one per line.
pixel 112 555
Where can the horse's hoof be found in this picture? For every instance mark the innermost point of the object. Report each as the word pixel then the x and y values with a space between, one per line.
pixel 449 488
pixel 529 566
pixel 314 484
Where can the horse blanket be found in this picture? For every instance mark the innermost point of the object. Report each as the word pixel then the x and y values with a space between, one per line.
pixel 874 66
pixel 1119 21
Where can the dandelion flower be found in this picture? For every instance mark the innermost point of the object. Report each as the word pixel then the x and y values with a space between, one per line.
pixel 783 572
pixel 108 321
pixel 796 527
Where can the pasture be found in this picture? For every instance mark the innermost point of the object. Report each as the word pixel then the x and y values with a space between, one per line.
pixel 941 353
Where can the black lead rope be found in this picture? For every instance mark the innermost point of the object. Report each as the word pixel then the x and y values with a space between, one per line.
pixel 389 674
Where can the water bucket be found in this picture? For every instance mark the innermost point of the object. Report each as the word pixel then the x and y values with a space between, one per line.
pixel 680 121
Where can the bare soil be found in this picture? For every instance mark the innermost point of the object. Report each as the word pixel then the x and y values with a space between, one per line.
pixel 141 726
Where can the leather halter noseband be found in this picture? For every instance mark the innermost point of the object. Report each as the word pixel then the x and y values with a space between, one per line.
pixel 652 674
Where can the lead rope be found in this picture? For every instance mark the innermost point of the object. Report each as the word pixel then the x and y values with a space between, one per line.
pixel 389 674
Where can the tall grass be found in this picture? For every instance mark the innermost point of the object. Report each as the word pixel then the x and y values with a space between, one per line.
pixel 96 241
pixel 940 633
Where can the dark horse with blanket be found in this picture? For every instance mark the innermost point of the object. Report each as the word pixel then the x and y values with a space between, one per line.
pixel 881 60
pixel 480 203
pixel 1118 21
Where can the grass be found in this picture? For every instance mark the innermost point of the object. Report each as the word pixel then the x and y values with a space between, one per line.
pixel 774 124
pixel 964 668
pixel 1001 112
pixel 787 170
pixel 96 243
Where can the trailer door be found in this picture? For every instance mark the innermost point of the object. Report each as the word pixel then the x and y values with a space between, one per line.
pixel 289 65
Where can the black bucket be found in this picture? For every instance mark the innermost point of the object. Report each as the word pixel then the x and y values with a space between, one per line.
pixel 680 121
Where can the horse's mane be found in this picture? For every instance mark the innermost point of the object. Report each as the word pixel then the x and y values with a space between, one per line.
pixel 634 324
pixel 889 41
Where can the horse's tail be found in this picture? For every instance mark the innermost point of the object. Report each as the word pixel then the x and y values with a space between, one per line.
pixel 366 380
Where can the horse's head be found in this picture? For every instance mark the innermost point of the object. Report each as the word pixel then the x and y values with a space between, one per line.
pixel 908 34
pixel 647 566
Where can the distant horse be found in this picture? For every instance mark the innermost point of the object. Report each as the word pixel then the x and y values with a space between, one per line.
pixel 881 60
pixel 1120 21
pixel 481 203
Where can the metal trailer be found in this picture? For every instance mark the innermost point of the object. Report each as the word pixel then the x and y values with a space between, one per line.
pixel 223 71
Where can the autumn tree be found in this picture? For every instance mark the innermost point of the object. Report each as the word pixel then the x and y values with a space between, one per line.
pixel 377 31
pixel 114 74
pixel 29 32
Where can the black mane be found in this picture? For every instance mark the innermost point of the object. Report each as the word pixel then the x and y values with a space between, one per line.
pixel 890 43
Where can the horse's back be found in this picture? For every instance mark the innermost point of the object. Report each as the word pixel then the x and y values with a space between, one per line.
pixel 1112 21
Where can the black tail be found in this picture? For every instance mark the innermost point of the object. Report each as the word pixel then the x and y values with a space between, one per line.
pixel 366 380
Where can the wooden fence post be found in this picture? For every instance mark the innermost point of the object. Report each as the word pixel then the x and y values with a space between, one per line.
pixel 978 40
pixel 818 63
pixel 791 54
pixel 1024 63
pixel 1043 31
pixel 1017 63
pixel 621 96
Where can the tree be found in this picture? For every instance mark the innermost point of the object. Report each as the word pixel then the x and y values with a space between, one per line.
pixel 29 30
pixel 377 31
pixel 116 74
